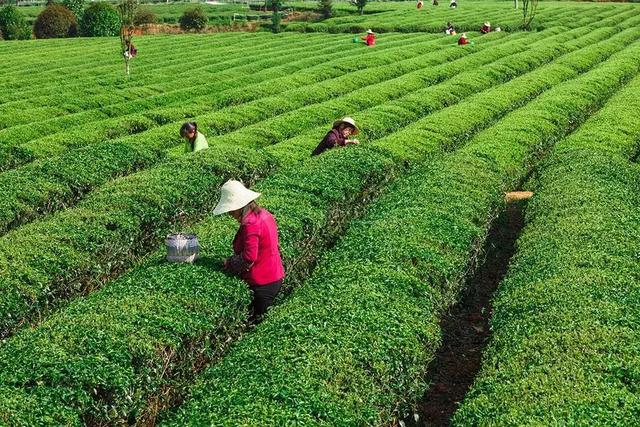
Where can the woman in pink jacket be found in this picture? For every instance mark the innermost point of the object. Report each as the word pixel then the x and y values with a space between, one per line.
pixel 256 251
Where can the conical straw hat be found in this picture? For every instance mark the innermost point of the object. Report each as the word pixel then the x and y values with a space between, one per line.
pixel 234 196
pixel 349 121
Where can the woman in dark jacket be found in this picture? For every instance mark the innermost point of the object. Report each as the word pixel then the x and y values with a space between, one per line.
pixel 338 135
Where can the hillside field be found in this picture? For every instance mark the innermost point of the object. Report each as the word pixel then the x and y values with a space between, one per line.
pixel 378 239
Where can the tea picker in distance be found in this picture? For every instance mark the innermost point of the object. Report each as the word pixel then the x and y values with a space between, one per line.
pixel 486 28
pixel 195 141
pixel 463 39
pixel 370 38
pixel 450 30
pixel 419 5
pixel 338 135
pixel 130 50
pixel 256 252
pixel 453 4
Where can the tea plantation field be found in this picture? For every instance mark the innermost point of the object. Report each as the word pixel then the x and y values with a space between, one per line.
pixel 377 239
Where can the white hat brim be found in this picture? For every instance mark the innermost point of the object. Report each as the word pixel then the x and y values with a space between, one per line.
pixel 240 198
pixel 356 130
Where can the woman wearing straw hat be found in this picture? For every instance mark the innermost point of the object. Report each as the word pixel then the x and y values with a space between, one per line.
pixel 486 28
pixel 370 38
pixel 256 252
pixel 338 135
pixel 463 39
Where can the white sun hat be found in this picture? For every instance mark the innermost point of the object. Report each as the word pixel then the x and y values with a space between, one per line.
pixel 349 121
pixel 234 196
pixel 487 24
pixel 369 31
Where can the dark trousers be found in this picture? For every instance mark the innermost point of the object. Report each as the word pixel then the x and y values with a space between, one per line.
pixel 263 297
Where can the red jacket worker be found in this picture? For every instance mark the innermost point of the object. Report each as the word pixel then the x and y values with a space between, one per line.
pixel 338 135
pixel 256 248
pixel 486 28
pixel 370 38
pixel 463 39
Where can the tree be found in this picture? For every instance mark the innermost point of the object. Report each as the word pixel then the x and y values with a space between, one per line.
pixel 325 8
pixel 276 16
pixel 127 12
pixel 13 26
pixel 75 6
pixel 528 12
pixel 55 21
pixel 194 19
pixel 100 20
pixel 360 4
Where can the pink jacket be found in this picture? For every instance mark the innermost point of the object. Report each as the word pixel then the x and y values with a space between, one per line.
pixel 257 242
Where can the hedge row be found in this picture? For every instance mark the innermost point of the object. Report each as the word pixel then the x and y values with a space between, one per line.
pixel 351 346
pixel 166 62
pixel 75 249
pixel 150 84
pixel 90 95
pixel 286 125
pixel 503 16
pixel 108 105
pixel 88 129
pixel 48 275
pixel 305 207
pixel 126 345
pixel 173 321
pixel 44 187
pixel 43 272
pixel 92 77
pixel 24 110
pixel 565 343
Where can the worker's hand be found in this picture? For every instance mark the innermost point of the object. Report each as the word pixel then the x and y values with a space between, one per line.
pixel 354 141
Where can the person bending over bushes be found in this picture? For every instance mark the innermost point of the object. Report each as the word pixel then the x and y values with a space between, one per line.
pixel 370 38
pixel 256 250
pixel 486 28
pixel 338 135
pixel 450 30
pixel 195 140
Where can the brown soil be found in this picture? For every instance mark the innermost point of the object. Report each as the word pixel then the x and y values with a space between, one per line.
pixel 175 29
pixel 466 327
pixel 303 16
